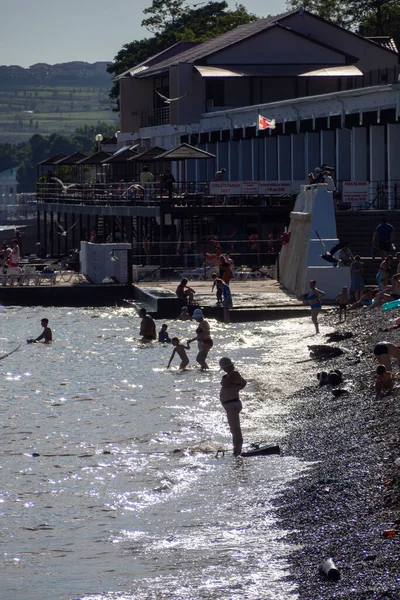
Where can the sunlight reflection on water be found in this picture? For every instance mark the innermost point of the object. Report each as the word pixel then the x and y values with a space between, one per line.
pixel 108 465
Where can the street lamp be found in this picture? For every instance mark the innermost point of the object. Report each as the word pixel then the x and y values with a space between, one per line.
pixel 99 138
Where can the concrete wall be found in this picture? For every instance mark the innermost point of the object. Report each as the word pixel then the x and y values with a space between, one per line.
pixel 136 96
pixel 300 260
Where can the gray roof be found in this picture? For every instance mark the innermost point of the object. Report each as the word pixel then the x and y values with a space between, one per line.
pixel 220 42
pixel 163 56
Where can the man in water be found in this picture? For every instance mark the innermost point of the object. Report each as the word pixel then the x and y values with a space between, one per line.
pixel 46 334
pixel 147 326
pixel 231 384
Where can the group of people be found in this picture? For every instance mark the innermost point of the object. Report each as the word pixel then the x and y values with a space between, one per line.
pixel 232 382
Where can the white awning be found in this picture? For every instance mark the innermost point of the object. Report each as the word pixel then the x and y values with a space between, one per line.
pixel 342 71
pixel 207 71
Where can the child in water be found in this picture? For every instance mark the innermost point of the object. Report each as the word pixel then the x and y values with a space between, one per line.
pixel 163 336
pixel 184 315
pixel 343 299
pixel 46 334
pixel 384 380
pixel 180 350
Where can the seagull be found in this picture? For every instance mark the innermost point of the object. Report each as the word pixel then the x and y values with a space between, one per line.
pixel 169 100
pixel 63 232
pixel 65 188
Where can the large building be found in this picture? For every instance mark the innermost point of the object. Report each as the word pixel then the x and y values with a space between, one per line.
pixel 333 94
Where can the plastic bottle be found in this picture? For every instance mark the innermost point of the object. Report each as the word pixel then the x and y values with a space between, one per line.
pixel 391 305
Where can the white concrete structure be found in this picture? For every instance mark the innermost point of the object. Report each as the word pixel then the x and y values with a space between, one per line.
pixel 99 261
pixel 300 259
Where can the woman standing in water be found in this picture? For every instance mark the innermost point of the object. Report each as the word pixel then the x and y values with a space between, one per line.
pixel 314 300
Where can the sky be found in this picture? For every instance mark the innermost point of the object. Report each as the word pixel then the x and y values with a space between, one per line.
pixel 55 31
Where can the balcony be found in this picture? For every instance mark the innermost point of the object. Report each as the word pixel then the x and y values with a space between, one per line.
pixel 156 117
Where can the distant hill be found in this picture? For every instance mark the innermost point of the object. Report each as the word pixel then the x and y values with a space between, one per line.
pixel 53 98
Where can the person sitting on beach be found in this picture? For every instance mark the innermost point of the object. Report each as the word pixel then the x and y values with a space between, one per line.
pixel 184 314
pixel 231 384
pixel 214 277
pixel 184 292
pixel 147 326
pixel 40 253
pixel 366 301
pixel 163 336
pixel 384 352
pixel 343 300
pixel 384 380
pixel 46 334
pixel 180 350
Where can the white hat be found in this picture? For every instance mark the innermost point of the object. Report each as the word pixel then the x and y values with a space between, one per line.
pixel 198 314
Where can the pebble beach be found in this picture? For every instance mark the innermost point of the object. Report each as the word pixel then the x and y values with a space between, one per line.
pixel 349 500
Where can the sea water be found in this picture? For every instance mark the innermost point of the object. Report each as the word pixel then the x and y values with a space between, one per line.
pixel 110 488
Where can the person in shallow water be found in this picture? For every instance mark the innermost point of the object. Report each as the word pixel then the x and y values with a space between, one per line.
pixel 203 338
pixel 314 300
pixel 46 334
pixel 147 326
pixel 180 350
pixel 231 384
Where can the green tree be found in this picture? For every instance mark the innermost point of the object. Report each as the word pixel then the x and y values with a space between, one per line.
pixel 174 21
pixel 377 14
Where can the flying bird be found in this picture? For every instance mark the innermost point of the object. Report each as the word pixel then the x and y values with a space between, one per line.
pixel 63 232
pixel 169 100
pixel 65 188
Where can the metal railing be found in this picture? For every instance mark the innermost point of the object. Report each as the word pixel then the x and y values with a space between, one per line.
pixel 189 193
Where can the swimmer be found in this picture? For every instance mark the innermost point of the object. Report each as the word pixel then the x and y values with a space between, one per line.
pixel 384 351
pixel 180 350
pixel 184 314
pixel 384 380
pixel 343 300
pixel 314 300
pixel 147 326
pixel 46 334
pixel 163 336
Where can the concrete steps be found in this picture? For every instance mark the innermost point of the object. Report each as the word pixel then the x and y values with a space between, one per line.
pixel 357 228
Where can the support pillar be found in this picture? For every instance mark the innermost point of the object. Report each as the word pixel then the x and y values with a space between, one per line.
pixel 359 171
pixel 393 154
pixel 298 157
pixel 328 148
pixel 343 154
pixel 312 151
pixel 284 159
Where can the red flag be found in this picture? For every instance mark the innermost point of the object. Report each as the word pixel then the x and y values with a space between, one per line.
pixel 264 123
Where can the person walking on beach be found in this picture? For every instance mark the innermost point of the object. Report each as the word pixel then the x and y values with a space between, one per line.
pixel 46 334
pixel 214 277
pixel 343 300
pixel 357 284
pixel 384 352
pixel 147 326
pixel 383 237
pixel 204 341
pixel 180 350
pixel 314 300
pixel 384 381
pixel 231 384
